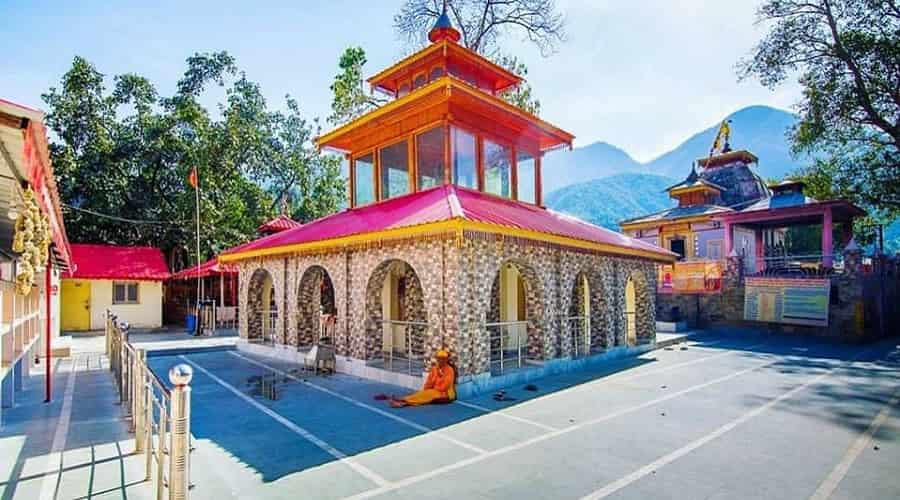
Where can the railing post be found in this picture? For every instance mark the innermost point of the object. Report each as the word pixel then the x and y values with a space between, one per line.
pixel 179 448
pixel 502 348
pixel 138 399
pixel 409 351
pixel 148 425
pixel 161 449
pixel 519 346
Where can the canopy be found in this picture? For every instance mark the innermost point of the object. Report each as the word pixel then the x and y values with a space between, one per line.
pixel 209 268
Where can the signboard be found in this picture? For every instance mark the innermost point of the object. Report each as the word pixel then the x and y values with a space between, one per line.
pixel 690 277
pixel 795 301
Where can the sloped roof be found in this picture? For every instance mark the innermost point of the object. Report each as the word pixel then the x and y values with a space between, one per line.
pixel 278 224
pixel 110 262
pixel 208 268
pixel 678 213
pixel 458 209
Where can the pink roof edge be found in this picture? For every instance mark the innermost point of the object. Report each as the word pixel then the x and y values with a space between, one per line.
pixel 442 203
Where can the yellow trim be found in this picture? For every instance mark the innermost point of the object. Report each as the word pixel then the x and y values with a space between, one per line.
pixel 627 226
pixel 691 189
pixel 455 225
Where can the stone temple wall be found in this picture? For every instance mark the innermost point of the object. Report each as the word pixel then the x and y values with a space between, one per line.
pixel 450 282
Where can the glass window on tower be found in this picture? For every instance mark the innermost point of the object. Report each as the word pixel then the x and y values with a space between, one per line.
pixel 394 161
pixel 525 177
pixel 497 177
pixel 430 158
pixel 364 178
pixel 465 170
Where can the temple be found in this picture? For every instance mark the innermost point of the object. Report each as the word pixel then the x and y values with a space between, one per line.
pixel 752 251
pixel 728 209
pixel 446 243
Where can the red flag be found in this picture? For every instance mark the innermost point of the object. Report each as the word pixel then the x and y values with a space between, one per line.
pixel 192 178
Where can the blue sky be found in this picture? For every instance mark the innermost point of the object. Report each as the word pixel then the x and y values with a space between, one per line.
pixel 641 75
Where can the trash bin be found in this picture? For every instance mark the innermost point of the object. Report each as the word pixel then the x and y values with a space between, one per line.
pixel 191 321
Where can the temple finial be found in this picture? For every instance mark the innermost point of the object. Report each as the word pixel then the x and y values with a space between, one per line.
pixel 443 29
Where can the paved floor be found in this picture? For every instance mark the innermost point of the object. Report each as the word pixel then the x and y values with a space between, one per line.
pixel 735 415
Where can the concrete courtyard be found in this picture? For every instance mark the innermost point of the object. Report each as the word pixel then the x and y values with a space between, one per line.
pixel 729 414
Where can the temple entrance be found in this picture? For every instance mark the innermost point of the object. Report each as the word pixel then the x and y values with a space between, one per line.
pixel 397 323
pixel 578 321
pixel 639 323
pixel 262 308
pixel 316 310
pixel 512 320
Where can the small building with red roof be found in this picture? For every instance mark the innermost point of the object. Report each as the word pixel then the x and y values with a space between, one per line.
pixel 277 225
pixel 126 280
pixel 447 243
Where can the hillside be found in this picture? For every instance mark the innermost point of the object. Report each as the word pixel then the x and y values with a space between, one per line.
pixel 583 164
pixel 608 200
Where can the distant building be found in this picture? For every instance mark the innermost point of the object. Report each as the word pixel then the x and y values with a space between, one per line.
pixel 728 209
pixel 766 254
pixel 126 280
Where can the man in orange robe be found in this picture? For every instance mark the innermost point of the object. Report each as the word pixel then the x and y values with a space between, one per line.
pixel 440 386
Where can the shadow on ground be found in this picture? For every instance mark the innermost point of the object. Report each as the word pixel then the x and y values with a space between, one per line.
pixel 253 437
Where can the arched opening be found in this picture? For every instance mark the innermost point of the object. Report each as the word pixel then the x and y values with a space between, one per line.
pixel 513 319
pixel 262 308
pixel 640 317
pixel 578 320
pixel 397 322
pixel 630 313
pixel 316 309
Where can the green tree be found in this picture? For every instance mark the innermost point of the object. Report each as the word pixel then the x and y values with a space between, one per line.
pixel 847 56
pixel 123 157
pixel 350 98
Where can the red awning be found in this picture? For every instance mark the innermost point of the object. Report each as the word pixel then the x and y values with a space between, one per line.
pixel 110 262
pixel 208 268
pixel 445 203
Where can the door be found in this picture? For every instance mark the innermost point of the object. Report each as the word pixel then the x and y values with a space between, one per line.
pixel 75 305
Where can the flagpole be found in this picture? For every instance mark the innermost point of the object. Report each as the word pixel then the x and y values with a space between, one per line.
pixel 197 199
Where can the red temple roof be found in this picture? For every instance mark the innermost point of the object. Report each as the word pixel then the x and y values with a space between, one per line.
pixel 278 224
pixel 212 267
pixel 437 209
pixel 111 262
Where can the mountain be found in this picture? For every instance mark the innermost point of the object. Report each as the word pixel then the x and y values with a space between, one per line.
pixel 603 184
pixel 583 164
pixel 760 129
pixel 608 200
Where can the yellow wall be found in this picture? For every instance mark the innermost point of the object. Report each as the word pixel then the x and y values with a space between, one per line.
pixel 147 313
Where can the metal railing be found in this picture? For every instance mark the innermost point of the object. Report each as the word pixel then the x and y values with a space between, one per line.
pixel 403 346
pixel 579 335
pixel 226 317
pixel 507 340
pixel 159 417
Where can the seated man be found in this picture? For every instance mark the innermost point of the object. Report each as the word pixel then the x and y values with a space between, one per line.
pixel 439 387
